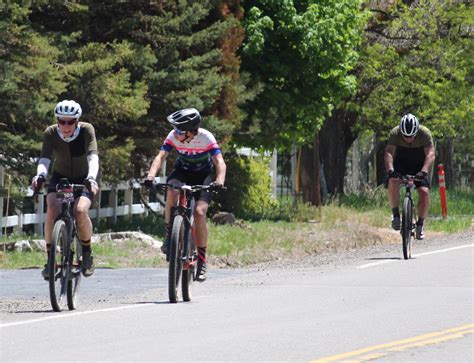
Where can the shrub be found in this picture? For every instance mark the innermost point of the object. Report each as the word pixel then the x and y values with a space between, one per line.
pixel 248 183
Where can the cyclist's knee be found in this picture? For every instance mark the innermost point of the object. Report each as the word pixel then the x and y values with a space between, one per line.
pixel 81 212
pixel 423 192
pixel 201 209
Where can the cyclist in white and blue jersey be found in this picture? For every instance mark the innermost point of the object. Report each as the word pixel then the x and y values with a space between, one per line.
pixel 198 154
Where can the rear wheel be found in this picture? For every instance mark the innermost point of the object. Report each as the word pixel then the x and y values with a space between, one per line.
pixel 175 263
pixel 75 274
pixel 407 227
pixel 189 273
pixel 58 279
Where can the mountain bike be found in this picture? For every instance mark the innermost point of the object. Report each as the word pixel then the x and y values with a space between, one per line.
pixel 65 254
pixel 182 251
pixel 408 216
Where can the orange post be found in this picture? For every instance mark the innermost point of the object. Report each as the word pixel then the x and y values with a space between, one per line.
pixel 442 191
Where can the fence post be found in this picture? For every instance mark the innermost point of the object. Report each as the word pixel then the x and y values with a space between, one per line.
pixel 128 201
pixel 98 201
pixel 39 210
pixel 113 200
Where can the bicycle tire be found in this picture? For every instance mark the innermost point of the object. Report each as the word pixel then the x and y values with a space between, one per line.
pixel 189 274
pixel 407 227
pixel 75 275
pixel 175 263
pixel 56 265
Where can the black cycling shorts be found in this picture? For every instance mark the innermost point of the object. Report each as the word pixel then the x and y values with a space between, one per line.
pixel 190 178
pixel 54 180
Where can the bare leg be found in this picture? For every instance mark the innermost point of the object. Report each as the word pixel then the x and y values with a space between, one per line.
pixel 423 202
pixel 83 222
pixel 394 193
pixel 52 212
pixel 200 223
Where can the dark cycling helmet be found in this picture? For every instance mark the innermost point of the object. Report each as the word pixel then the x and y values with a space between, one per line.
pixel 187 119
pixel 409 125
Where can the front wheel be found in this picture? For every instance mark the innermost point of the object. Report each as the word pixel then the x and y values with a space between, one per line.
pixel 75 274
pixel 58 276
pixel 190 271
pixel 407 227
pixel 175 264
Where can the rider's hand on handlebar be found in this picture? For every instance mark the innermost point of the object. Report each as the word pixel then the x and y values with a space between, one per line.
pixel 216 184
pixel 37 181
pixel 91 184
pixel 148 183
pixel 421 175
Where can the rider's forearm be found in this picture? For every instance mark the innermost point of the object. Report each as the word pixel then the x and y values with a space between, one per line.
pixel 429 160
pixel 93 161
pixel 221 169
pixel 155 166
pixel 388 159
pixel 43 165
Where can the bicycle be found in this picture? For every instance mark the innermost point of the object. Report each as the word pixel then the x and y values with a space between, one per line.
pixel 65 254
pixel 182 252
pixel 408 216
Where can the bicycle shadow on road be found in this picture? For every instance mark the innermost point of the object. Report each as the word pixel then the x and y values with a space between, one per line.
pixel 383 258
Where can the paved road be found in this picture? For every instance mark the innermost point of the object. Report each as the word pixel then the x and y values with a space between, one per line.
pixel 371 306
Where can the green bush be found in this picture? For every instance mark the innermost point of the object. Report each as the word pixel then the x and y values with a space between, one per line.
pixel 248 182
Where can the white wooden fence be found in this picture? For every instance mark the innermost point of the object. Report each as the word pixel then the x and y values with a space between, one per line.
pixel 113 209
pixel 17 219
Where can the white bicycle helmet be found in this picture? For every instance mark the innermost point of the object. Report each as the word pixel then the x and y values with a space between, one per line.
pixel 409 125
pixel 68 108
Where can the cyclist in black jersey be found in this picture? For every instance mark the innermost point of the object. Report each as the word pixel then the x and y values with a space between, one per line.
pixel 409 151
pixel 73 146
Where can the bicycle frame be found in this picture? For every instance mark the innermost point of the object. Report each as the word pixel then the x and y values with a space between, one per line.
pixel 408 215
pixel 64 273
pixel 65 196
pixel 185 208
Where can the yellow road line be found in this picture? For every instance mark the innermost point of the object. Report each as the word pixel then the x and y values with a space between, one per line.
pixel 398 345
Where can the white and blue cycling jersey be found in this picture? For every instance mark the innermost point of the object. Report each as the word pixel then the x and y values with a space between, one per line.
pixel 196 155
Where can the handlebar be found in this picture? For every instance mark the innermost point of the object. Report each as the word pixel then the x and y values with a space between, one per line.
pixel 185 187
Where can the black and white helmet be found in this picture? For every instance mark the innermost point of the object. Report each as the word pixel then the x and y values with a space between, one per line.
pixel 68 108
pixel 409 125
pixel 187 119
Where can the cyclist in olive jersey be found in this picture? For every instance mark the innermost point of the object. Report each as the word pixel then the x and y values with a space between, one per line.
pixel 410 150
pixel 73 146
pixel 198 152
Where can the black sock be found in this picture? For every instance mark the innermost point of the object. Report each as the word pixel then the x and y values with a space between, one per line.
pixel 420 221
pixel 167 230
pixel 86 245
pixel 202 253
pixel 396 212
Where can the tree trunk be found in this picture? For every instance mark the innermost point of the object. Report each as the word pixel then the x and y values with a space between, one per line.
pixel 310 162
pixel 444 153
pixel 379 160
pixel 336 137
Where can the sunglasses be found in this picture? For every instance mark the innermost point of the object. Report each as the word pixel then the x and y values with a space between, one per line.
pixel 66 122
pixel 179 132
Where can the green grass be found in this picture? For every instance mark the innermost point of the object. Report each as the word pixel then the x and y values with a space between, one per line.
pixel 351 221
pixel 16 259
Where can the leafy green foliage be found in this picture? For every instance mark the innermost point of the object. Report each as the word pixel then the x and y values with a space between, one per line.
pixel 301 53
pixel 248 187
pixel 129 64
pixel 30 84
pixel 422 65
